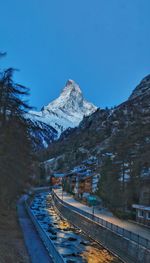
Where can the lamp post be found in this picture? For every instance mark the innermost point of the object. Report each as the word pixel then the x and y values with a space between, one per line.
pixel 62 189
pixel 93 211
pixel 78 186
pixel 92 201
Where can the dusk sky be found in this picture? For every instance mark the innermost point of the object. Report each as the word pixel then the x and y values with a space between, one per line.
pixel 104 45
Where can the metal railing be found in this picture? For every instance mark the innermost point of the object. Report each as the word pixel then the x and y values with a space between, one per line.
pixel 115 228
pixel 52 250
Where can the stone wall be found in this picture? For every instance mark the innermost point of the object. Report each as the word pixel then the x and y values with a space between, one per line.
pixel 127 250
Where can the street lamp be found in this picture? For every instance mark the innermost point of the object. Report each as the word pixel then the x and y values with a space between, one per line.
pixel 93 211
pixel 62 188
pixel 92 201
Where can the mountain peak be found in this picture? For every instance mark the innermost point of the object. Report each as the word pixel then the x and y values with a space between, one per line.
pixel 142 89
pixel 70 82
pixel 71 86
pixel 68 109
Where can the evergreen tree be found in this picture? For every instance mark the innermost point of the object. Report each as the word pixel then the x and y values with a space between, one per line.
pixel 109 188
pixel 15 139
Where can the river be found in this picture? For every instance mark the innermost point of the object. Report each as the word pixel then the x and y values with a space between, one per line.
pixel 71 242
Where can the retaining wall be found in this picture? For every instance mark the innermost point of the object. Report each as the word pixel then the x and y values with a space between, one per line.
pixel 127 250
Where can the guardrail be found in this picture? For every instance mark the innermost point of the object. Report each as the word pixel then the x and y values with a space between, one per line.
pixel 53 252
pixel 115 228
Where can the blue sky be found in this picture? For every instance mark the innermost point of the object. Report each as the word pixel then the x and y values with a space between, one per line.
pixel 104 45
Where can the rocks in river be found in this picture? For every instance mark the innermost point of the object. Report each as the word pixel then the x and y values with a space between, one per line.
pixel 66 229
pixel 71 261
pixel 72 238
pixel 75 260
pixel 40 217
pixel 85 243
pixel 73 254
pixel 52 231
pixel 69 241
pixel 50 225
pixel 53 237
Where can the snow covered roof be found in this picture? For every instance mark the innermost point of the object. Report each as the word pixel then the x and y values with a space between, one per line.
pixel 58 175
pixel 78 169
pixel 141 207
pixel 49 161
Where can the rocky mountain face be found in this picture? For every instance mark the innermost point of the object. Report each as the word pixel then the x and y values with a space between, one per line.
pixel 120 140
pixel 143 89
pixel 42 134
pixel 67 111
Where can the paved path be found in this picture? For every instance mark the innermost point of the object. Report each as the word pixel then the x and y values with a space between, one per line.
pixel 35 247
pixel 139 230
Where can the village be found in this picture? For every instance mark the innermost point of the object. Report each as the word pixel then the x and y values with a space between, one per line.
pixel 82 183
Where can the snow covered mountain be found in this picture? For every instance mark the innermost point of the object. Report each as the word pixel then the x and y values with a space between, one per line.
pixel 66 111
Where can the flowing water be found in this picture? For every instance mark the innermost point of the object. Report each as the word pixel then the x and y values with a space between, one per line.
pixel 71 242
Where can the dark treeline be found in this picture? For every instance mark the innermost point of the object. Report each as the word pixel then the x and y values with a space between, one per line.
pixel 15 142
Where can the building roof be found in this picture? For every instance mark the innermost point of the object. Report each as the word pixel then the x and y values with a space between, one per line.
pixel 141 207
pixel 58 175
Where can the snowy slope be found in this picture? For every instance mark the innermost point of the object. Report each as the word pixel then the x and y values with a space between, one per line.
pixel 66 111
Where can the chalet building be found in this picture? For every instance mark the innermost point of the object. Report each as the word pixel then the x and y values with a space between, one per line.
pixel 95 180
pixel 81 182
pixel 56 179
pixel 69 182
pixel 84 186
pixel 143 208
pixel 142 214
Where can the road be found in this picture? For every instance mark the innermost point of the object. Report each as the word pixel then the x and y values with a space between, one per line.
pixel 133 227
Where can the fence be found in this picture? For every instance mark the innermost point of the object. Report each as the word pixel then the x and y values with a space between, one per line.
pixel 45 238
pixel 116 229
